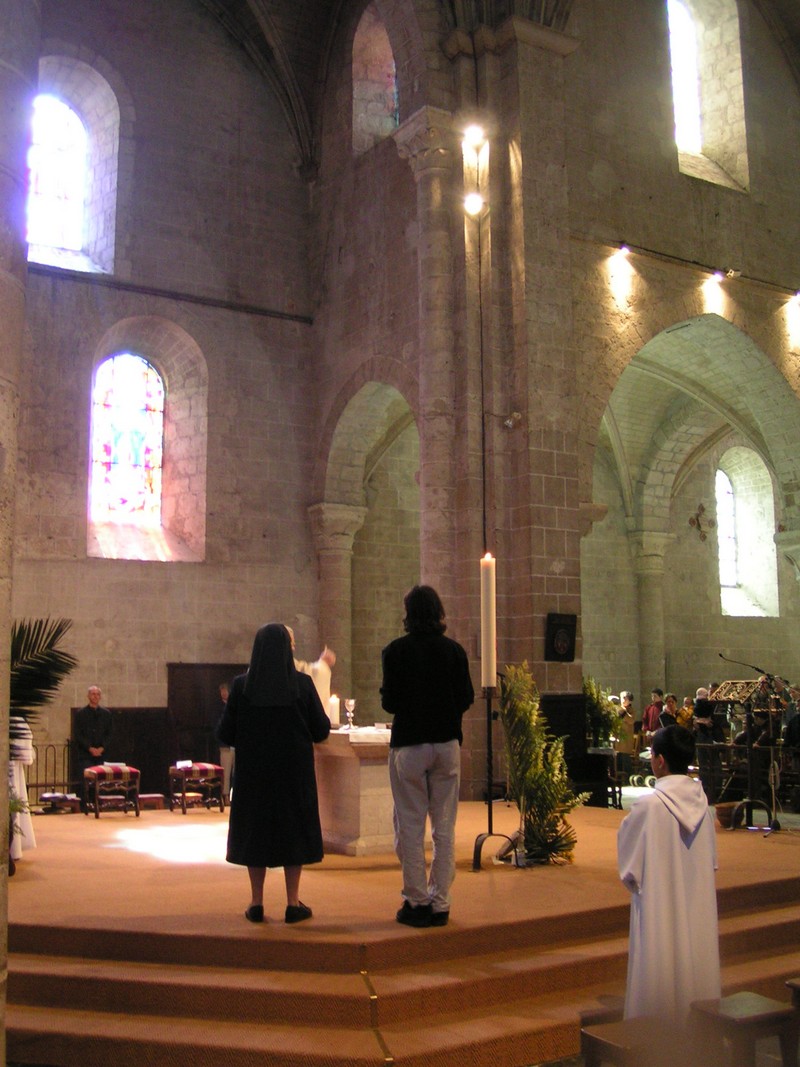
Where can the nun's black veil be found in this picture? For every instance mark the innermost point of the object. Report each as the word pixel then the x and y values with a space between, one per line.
pixel 271 677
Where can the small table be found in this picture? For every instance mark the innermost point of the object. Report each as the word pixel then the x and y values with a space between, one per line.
pixel 200 783
pixel 112 786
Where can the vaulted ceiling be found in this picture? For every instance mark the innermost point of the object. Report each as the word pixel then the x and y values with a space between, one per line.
pixel 289 41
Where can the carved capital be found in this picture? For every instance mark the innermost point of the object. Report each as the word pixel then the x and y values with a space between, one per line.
pixel 334 526
pixel 429 139
pixel 648 548
pixel 788 542
pixel 588 514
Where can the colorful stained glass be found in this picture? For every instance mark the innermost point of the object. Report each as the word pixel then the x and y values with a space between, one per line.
pixel 127 441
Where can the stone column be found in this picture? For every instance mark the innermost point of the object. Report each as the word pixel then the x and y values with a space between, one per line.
pixel 334 527
pixel 20 22
pixel 788 542
pixel 429 142
pixel 648 565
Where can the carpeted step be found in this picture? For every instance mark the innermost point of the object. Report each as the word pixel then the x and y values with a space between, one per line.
pixel 201 992
pixel 90 1039
pixel 356 998
pixel 520 1031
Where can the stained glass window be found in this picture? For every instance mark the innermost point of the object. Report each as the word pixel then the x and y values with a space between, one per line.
pixel 56 175
pixel 127 441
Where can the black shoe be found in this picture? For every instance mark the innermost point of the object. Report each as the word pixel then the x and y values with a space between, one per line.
pixel 419 916
pixel 440 918
pixel 295 913
pixel 254 914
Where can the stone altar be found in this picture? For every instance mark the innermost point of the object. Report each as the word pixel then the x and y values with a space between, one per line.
pixel 355 800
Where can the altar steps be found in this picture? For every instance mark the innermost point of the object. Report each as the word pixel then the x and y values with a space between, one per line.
pixel 505 994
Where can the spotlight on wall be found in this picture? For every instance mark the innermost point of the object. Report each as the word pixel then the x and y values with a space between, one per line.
pixel 731 272
pixel 512 420
pixel 624 250
pixel 474 137
pixel 474 204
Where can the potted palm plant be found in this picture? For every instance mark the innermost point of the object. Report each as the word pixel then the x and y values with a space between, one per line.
pixel 537 773
pixel 38 667
pixel 603 720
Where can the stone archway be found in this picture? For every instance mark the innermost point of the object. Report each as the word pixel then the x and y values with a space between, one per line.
pixel 367 536
pixel 691 391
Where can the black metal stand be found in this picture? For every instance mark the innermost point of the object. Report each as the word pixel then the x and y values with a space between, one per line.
pixel 750 802
pixel 479 840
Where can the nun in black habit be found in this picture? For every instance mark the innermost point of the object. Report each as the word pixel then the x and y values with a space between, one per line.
pixel 272 719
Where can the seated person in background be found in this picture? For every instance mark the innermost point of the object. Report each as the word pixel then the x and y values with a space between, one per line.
pixel 651 715
pixel 686 714
pixel 669 716
pixel 93 724
pixel 707 729
pixel 623 736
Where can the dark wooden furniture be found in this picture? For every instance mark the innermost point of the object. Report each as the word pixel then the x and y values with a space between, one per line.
pixel 742 1019
pixel 566 717
pixel 201 783
pixel 626 1043
pixel 196 706
pixel 114 787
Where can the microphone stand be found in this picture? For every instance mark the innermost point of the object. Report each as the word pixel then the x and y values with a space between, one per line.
pixel 481 838
pixel 750 802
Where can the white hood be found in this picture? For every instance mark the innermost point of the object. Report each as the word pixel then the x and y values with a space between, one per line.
pixel 683 797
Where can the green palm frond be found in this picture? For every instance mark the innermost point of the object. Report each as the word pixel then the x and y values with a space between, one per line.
pixel 537 772
pixel 38 665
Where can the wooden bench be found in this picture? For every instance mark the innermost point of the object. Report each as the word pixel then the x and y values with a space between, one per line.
pixel 111 786
pixel 199 783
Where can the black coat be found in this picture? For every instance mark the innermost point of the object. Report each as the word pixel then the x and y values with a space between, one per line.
pixel 274 820
pixel 427 687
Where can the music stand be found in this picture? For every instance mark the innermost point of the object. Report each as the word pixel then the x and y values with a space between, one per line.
pixel 741 692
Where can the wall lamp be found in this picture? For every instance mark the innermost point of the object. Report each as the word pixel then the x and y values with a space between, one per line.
pixel 474 204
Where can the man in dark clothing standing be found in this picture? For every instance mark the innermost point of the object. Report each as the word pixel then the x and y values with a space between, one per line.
pixel 427 688
pixel 92 730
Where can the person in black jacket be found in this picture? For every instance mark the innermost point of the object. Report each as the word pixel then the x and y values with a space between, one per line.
pixel 93 725
pixel 427 688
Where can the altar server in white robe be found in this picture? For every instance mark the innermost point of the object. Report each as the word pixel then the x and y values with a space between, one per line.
pixel 20 756
pixel 667 855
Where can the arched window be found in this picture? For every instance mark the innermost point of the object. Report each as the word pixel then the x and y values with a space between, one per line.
pixel 726 532
pixel 708 91
pixel 73 168
pixel 685 78
pixel 748 567
pixel 375 105
pixel 127 442
pixel 148 444
pixel 56 175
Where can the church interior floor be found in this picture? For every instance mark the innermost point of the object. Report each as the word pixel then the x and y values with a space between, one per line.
pixel 107 885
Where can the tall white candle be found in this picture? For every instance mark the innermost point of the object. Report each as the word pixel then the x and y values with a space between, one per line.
pixel 333 710
pixel 488 623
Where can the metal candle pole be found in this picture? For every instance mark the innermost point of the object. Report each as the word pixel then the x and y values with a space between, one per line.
pixel 488 679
